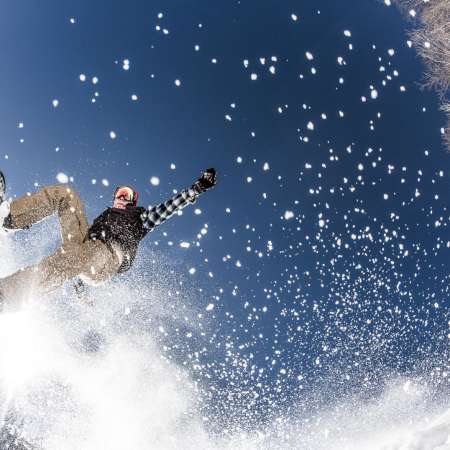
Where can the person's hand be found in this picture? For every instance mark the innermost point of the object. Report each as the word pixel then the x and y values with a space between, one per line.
pixel 206 181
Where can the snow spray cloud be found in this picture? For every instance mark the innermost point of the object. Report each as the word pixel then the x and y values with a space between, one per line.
pixel 80 376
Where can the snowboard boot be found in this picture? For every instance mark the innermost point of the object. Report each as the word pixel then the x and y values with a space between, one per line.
pixel 5 216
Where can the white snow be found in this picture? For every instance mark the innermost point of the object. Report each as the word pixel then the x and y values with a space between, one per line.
pixel 62 178
pixel 288 215
pixel 154 181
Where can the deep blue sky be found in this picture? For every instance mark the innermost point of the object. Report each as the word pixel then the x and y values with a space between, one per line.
pixel 348 315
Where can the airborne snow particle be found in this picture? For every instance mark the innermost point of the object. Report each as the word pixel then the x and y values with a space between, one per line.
pixel 321 223
pixel 160 15
pixel 228 117
pixel 112 134
pixel 185 244
pixel 154 181
pixel 288 215
pixel 72 20
pixel 238 263
pixel 239 159
pixel 374 94
pixel 294 17
pixel 94 80
pixel 177 82
pixel 391 52
pixel 105 182
pixel 272 70
pixel 385 196
pixel 55 103
pixel 309 56
pixel 347 33
pixel 20 125
pixel 266 166
pixel 192 270
pixel 197 48
pixel 62 178
pixel 197 211
pixel 310 126
pixel 173 166
pixel 249 179
pixel 253 76
pixel 210 307
pixel 82 77
pixel 134 97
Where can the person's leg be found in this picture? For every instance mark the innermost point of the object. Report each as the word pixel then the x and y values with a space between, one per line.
pixel 100 262
pixel 92 260
pixel 61 199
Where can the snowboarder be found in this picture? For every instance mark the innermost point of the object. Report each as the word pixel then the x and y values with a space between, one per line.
pixel 93 253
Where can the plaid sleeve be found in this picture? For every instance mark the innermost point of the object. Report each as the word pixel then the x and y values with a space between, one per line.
pixel 156 215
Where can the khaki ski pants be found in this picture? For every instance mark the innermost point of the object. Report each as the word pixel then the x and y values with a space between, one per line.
pixel 77 256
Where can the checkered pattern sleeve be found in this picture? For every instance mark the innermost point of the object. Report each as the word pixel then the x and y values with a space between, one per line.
pixel 156 215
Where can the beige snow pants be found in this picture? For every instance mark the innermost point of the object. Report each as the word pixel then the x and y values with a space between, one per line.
pixel 77 256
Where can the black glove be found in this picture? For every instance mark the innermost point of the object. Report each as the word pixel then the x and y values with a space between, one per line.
pixel 206 181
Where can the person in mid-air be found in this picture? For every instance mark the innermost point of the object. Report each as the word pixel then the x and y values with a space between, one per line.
pixel 90 254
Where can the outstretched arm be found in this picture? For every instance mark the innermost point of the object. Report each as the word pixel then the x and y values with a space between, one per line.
pixel 156 215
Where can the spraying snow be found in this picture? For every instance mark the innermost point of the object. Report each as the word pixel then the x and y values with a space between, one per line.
pixel 80 376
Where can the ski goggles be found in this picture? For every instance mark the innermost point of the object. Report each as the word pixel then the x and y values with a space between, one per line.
pixel 126 193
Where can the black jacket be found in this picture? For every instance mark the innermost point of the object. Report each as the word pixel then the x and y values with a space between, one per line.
pixel 123 227
pixel 127 227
